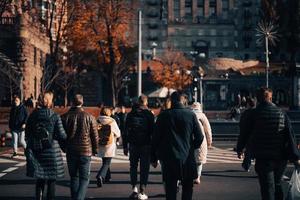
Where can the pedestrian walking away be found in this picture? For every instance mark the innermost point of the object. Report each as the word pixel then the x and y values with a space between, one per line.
pixel 45 137
pixel 269 135
pixel 108 132
pixel 17 123
pixel 82 143
pixel 177 134
pixel 250 105
pixel 201 153
pixel 137 140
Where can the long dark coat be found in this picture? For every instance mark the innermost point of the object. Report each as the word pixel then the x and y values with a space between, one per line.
pixel 47 164
pixel 176 135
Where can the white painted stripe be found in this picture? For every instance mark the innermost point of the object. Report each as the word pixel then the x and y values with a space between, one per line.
pixel 2 174
pixel 20 164
pixel 2 160
pixel 223 161
pixel 10 169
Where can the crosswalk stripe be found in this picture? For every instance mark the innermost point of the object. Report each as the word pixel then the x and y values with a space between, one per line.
pixel 215 155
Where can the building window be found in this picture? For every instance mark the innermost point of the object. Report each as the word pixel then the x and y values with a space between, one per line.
pixel 225 43
pixel 177 9
pixel 212 7
pixel 201 11
pixel 213 32
pixel 213 43
pixel 188 43
pixel 200 3
pixel 201 32
pixel 225 5
pixel 34 56
pixel 188 8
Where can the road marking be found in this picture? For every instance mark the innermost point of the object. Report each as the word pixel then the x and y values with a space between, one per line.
pixel 2 174
pixel 10 169
pixel 20 164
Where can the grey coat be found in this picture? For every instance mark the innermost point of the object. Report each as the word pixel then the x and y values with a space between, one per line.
pixel 47 164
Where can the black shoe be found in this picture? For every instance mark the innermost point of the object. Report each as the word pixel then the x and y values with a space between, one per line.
pixel 99 181
pixel 134 195
pixel 107 180
pixel 14 155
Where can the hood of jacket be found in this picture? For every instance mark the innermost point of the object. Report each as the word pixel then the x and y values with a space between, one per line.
pixel 105 120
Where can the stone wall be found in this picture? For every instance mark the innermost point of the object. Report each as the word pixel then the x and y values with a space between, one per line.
pixel 35 47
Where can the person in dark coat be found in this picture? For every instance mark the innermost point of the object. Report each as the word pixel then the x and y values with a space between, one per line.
pixel 45 162
pixel 250 105
pixel 268 132
pixel 82 143
pixel 137 141
pixel 17 123
pixel 176 136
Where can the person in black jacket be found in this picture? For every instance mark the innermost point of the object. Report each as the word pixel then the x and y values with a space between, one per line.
pixel 176 136
pixel 137 140
pixel 17 123
pixel 267 130
pixel 45 137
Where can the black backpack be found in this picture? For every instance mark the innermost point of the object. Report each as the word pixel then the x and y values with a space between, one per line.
pixel 42 138
pixel 138 128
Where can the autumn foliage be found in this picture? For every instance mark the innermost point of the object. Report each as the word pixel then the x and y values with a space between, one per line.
pixel 102 29
pixel 175 72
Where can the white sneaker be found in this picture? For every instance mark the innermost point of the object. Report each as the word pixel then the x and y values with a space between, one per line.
pixel 135 190
pixel 142 196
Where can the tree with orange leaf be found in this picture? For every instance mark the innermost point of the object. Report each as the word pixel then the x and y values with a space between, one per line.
pixel 175 72
pixel 102 29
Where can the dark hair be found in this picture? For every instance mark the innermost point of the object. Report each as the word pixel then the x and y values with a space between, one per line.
pixel 263 94
pixel 77 100
pixel 105 111
pixel 251 102
pixel 178 96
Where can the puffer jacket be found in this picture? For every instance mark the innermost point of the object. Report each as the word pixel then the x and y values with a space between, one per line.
pixel 82 135
pixel 47 164
pixel 109 151
pixel 201 153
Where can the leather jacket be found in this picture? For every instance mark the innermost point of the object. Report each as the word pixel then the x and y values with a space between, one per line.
pixel 82 134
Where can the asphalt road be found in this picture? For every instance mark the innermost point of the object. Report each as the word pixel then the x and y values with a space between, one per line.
pixel 222 179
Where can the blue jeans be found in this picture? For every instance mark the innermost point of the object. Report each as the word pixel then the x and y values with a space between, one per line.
pixel 139 154
pixel 18 136
pixel 104 171
pixel 270 174
pixel 79 170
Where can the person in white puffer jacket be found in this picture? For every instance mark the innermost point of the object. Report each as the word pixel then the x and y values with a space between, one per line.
pixel 201 153
pixel 107 151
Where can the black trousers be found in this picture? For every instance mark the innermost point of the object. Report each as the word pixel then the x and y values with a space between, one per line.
pixel 270 173
pixel 171 188
pixel 40 186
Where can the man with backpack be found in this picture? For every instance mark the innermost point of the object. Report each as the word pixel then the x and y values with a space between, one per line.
pixel 137 140
pixel 82 143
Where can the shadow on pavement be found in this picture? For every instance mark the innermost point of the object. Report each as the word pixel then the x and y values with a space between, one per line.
pixel 242 174
pixel 127 172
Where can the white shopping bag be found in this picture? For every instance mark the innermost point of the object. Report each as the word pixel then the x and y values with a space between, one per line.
pixel 294 186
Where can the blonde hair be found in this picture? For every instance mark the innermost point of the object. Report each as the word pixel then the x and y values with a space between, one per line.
pixel 47 99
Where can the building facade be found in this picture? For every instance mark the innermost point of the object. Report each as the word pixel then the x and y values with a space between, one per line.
pixel 24 47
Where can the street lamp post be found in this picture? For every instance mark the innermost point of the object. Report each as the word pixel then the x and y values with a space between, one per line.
pixel 267 58
pixel 153 46
pixel 194 54
pixel 201 89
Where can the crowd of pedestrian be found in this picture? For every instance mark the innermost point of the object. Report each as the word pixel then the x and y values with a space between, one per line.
pixel 178 139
